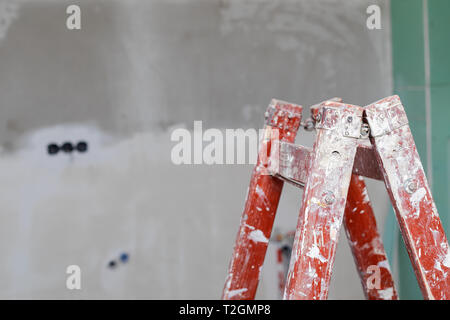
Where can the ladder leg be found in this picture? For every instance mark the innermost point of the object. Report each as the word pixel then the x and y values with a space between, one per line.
pixel 366 244
pixel 411 198
pixel 324 198
pixel 260 208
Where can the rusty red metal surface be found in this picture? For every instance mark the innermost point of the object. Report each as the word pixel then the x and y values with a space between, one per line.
pixel 282 122
pixel 411 197
pixel 366 244
pixel 324 201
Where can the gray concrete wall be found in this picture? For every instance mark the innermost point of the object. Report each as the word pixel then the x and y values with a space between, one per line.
pixel 134 72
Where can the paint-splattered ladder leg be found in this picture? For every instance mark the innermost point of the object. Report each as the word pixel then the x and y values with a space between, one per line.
pixel 338 128
pixel 411 196
pixel 282 122
pixel 366 244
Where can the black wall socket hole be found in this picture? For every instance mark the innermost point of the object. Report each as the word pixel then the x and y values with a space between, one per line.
pixel 82 146
pixel 67 147
pixel 52 149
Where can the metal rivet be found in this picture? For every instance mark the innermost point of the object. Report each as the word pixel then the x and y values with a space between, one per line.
pixel 309 125
pixel 411 185
pixel 329 198
pixel 365 130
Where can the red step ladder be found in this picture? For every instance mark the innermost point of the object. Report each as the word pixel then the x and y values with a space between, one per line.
pixel 351 143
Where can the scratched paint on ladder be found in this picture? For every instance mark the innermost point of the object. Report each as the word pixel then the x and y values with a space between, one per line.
pixel 330 187
pixel 365 242
pixel 282 122
pixel 410 194
pixel 323 201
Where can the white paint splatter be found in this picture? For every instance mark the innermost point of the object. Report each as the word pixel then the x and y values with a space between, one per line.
pixel 311 272
pixel 384 264
pixel 314 253
pixel 260 193
pixel 436 236
pixel 233 293
pixel 258 236
pixel 228 283
pixel 446 261
pixel 333 232
pixel 417 196
pixel 386 294
pixel 250 227
pixel 437 266
pixel 366 196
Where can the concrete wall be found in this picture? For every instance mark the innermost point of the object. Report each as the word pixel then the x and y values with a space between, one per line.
pixel 134 72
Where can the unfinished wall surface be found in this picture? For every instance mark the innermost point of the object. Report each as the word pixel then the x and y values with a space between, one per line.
pixel 135 71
